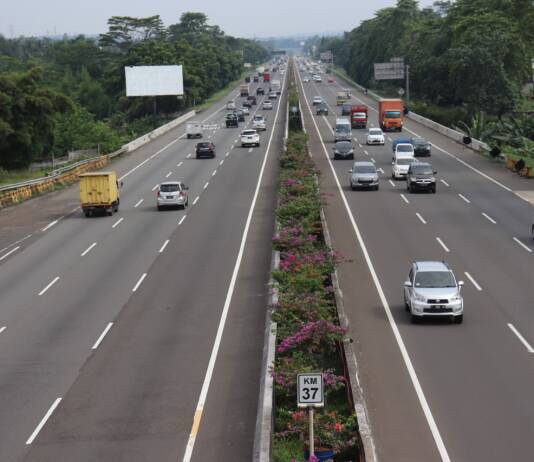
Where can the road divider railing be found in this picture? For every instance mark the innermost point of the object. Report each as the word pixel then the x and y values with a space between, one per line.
pixel 18 192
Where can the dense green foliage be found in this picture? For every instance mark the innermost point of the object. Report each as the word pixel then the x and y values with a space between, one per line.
pixel 59 95
pixel 472 54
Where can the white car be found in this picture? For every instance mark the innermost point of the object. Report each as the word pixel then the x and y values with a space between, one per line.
pixel 259 123
pixel 401 165
pixel 245 110
pixel 273 95
pixel 317 78
pixel 404 149
pixel 230 106
pixel 267 105
pixel 306 79
pixel 375 136
pixel 282 71
pixel 317 100
pixel 250 138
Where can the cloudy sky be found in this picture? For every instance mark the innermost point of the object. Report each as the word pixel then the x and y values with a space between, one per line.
pixel 236 17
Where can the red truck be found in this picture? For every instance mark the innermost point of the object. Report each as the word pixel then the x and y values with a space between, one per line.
pixel 390 114
pixel 358 116
pixel 266 77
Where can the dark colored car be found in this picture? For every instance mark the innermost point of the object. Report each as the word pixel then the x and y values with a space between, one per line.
pixel 206 149
pixel 256 78
pixel 346 108
pixel 421 177
pixel 231 120
pixel 322 109
pixel 343 150
pixel 421 147
pixel 240 115
pixel 260 91
pixel 247 79
pixel 251 99
pixel 247 103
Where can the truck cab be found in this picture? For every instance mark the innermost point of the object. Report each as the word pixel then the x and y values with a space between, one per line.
pixel 391 113
pixel 358 116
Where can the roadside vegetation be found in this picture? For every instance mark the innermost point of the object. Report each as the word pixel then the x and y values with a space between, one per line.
pixel 309 337
pixel 58 95
pixel 470 62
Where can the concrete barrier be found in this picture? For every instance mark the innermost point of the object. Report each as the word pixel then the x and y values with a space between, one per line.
pixel 137 143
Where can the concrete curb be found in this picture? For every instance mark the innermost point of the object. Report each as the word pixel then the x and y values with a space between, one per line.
pixel 476 145
pixel 265 418
pixel 360 408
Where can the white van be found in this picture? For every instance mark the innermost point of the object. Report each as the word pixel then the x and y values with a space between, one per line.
pixel 193 129
pixel 342 130
pixel 401 163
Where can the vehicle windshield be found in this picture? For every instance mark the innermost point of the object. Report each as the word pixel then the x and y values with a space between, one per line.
pixel 203 145
pixel 364 169
pixel 422 170
pixel 404 148
pixel 433 279
pixel 343 145
pixel 405 161
pixel 392 114
pixel 343 128
pixel 360 115
pixel 419 142
pixel 248 132
pixel 375 132
pixel 169 188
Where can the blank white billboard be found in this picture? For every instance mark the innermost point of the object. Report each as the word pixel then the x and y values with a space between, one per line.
pixel 154 80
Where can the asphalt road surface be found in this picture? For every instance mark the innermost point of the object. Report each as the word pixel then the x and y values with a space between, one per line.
pixel 434 391
pixel 138 337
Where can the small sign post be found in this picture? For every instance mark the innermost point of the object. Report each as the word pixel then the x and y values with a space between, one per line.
pixel 310 394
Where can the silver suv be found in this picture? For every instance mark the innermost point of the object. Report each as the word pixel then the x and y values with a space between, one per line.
pixel 432 291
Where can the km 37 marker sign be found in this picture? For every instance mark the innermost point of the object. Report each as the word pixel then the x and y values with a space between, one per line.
pixel 310 391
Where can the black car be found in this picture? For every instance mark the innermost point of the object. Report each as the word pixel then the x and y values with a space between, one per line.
pixel 247 103
pixel 231 120
pixel 346 108
pixel 251 99
pixel 421 147
pixel 240 115
pixel 205 149
pixel 322 109
pixel 247 79
pixel 343 150
pixel 256 78
pixel 421 177
pixel 260 91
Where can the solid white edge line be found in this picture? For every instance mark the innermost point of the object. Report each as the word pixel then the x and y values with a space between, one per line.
pixel 9 253
pixel 404 352
pixel 521 338
pixel 102 335
pixel 464 198
pixel 49 225
pixel 139 202
pixel 442 244
pixel 392 184
pixel 445 183
pixel 182 220
pixel 43 421
pixel 215 350
pixel 163 246
pixel 489 218
pixel 50 284
pixel 196 200
pixel 118 222
pixel 472 279
pixel 421 218
pixel 141 279
pixel 528 249
pixel 404 198
pixel 86 251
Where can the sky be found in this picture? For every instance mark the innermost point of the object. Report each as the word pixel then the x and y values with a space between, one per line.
pixel 240 18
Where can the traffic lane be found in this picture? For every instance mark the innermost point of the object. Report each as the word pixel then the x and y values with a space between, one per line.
pixel 476 363
pixel 481 163
pixel 26 219
pixel 171 320
pixel 392 258
pixel 120 261
pixel 230 412
pixel 398 426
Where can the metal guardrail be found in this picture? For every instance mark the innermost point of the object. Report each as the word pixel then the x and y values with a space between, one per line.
pixel 58 172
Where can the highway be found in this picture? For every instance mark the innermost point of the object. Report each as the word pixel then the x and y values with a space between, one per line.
pixel 138 337
pixel 434 391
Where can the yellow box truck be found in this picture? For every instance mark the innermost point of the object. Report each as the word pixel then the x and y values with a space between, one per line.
pixel 99 191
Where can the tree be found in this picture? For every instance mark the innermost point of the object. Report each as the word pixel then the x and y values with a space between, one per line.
pixel 124 31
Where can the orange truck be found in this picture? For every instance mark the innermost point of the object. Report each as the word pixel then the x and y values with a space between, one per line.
pixel 390 114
